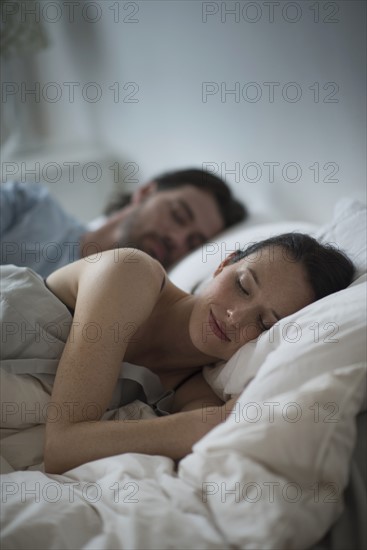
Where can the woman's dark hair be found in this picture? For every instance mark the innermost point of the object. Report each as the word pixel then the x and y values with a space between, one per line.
pixel 328 270
pixel 231 209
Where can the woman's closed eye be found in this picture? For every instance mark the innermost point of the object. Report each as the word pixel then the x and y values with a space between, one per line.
pixel 242 288
pixel 261 324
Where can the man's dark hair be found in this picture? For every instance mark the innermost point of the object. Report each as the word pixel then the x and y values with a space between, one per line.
pixel 232 211
pixel 328 270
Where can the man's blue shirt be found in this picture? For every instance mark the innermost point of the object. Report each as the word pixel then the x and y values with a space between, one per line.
pixel 35 231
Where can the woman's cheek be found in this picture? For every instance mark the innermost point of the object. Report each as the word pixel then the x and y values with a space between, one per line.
pixel 245 334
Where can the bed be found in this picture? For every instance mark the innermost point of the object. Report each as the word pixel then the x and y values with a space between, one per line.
pixel 286 470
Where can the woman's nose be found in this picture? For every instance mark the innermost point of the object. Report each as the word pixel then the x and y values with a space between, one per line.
pixel 233 316
pixel 240 316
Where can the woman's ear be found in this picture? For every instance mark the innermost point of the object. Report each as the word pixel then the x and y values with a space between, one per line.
pixel 228 260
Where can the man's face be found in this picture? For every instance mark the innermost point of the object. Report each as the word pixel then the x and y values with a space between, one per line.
pixel 169 224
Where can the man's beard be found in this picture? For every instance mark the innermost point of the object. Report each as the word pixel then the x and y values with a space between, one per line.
pixel 127 231
pixel 150 242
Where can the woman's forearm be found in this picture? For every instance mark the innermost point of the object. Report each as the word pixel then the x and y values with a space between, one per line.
pixel 173 436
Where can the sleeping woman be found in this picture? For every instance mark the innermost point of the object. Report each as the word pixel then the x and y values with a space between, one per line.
pixel 174 335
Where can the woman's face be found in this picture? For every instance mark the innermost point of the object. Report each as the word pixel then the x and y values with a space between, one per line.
pixel 246 298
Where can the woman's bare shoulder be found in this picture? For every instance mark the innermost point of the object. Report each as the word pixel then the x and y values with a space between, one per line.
pixel 121 266
pixel 136 262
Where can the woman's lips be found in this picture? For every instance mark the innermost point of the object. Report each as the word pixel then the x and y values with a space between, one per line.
pixel 214 325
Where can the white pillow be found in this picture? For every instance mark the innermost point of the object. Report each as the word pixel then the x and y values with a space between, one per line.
pixel 96 223
pixel 273 475
pixel 348 231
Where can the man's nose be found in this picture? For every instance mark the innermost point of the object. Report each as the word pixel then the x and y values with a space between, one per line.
pixel 179 241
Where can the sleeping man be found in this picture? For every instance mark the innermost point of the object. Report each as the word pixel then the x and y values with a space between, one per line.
pixel 166 218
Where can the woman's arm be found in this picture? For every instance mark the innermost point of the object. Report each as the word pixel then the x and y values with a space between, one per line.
pixel 172 436
pixel 119 290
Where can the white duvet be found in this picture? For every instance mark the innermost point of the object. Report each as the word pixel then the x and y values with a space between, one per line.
pixel 272 476
pixel 248 484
